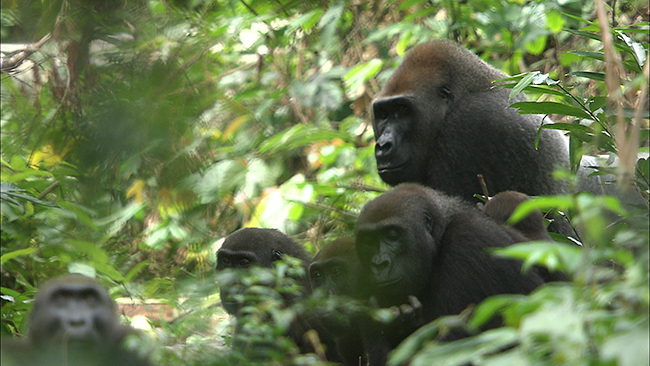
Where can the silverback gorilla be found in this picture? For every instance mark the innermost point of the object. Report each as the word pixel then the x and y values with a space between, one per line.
pixel 73 322
pixel 440 120
pixel 414 241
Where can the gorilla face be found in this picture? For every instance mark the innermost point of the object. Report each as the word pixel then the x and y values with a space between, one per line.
pixel 396 245
pixel 78 310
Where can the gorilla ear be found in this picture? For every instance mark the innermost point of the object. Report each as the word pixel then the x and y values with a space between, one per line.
pixel 446 93
pixel 277 255
pixel 429 223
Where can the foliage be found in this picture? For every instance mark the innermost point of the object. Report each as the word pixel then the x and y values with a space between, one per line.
pixel 143 131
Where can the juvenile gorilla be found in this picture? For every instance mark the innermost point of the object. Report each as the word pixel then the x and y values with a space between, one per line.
pixel 256 247
pixel 261 247
pixel 503 205
pixel 335 268
pixel 73 322
pixel 357 338
pixel 414 241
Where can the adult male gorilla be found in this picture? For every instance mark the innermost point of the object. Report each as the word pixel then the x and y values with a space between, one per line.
pixel 414 241
pixel 440 120
pixel 73 322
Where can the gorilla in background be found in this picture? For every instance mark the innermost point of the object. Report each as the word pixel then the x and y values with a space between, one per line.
pixel 503 205
pixel 414 241
pixel 358 338
pixel 334 271
pixel 73 322
pixel 256 247
pixel 335 268
pixel 440 120
pixel 530 228
pixel 262 247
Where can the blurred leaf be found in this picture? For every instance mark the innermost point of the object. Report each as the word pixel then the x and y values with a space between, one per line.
pixel 358 75
pixel 636 48
pixel 78 212
pixel 553 255
pixel 295 136
pixel 550 108
pixel 629 347
pixel 14 254
pixel 466 350
pixel 598 76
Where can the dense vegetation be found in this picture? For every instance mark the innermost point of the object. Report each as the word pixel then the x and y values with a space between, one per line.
pixel 136 134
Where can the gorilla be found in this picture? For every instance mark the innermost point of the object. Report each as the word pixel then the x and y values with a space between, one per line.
pixel 440 121
pixel 255 246
pixel 358 338
pixel 334 271
pixel 503 205
pixel 335 268
pixel 414 241
pixel 73 322
pixel 261 247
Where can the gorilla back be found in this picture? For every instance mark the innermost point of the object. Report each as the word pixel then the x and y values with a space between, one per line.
pixel 440 121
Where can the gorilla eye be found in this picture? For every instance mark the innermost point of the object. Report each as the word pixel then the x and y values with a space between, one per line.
pixel 316 274
pixel 336 271
pixel 60 298
pixel 89 297
pixel 244 263
pixel 393 234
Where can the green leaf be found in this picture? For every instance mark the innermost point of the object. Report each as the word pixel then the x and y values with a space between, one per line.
pixel 489 308
pixel 593 55
pixel 135 270
pixel 108 270
pixel 636 48
pixel 360 74
pixel 77 211
pixel 466 350
pixel 550 108
pixel 569 127
pixel 554 22
pixel 14 254
pixel 296 136
pixel 13 178
pixel 522 84
pixel 94 250
pixel 598 76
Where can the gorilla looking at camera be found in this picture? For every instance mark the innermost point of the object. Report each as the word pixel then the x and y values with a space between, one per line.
pixel 73 322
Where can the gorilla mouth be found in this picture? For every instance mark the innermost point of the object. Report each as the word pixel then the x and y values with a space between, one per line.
pixel 389 282
pixel 384 167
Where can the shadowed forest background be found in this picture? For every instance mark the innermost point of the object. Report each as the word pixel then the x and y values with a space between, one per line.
pixel 136 135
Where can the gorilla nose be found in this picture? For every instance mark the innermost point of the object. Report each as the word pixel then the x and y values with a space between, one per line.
pixel 384 147
pixel 77 325
pixel 380 266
